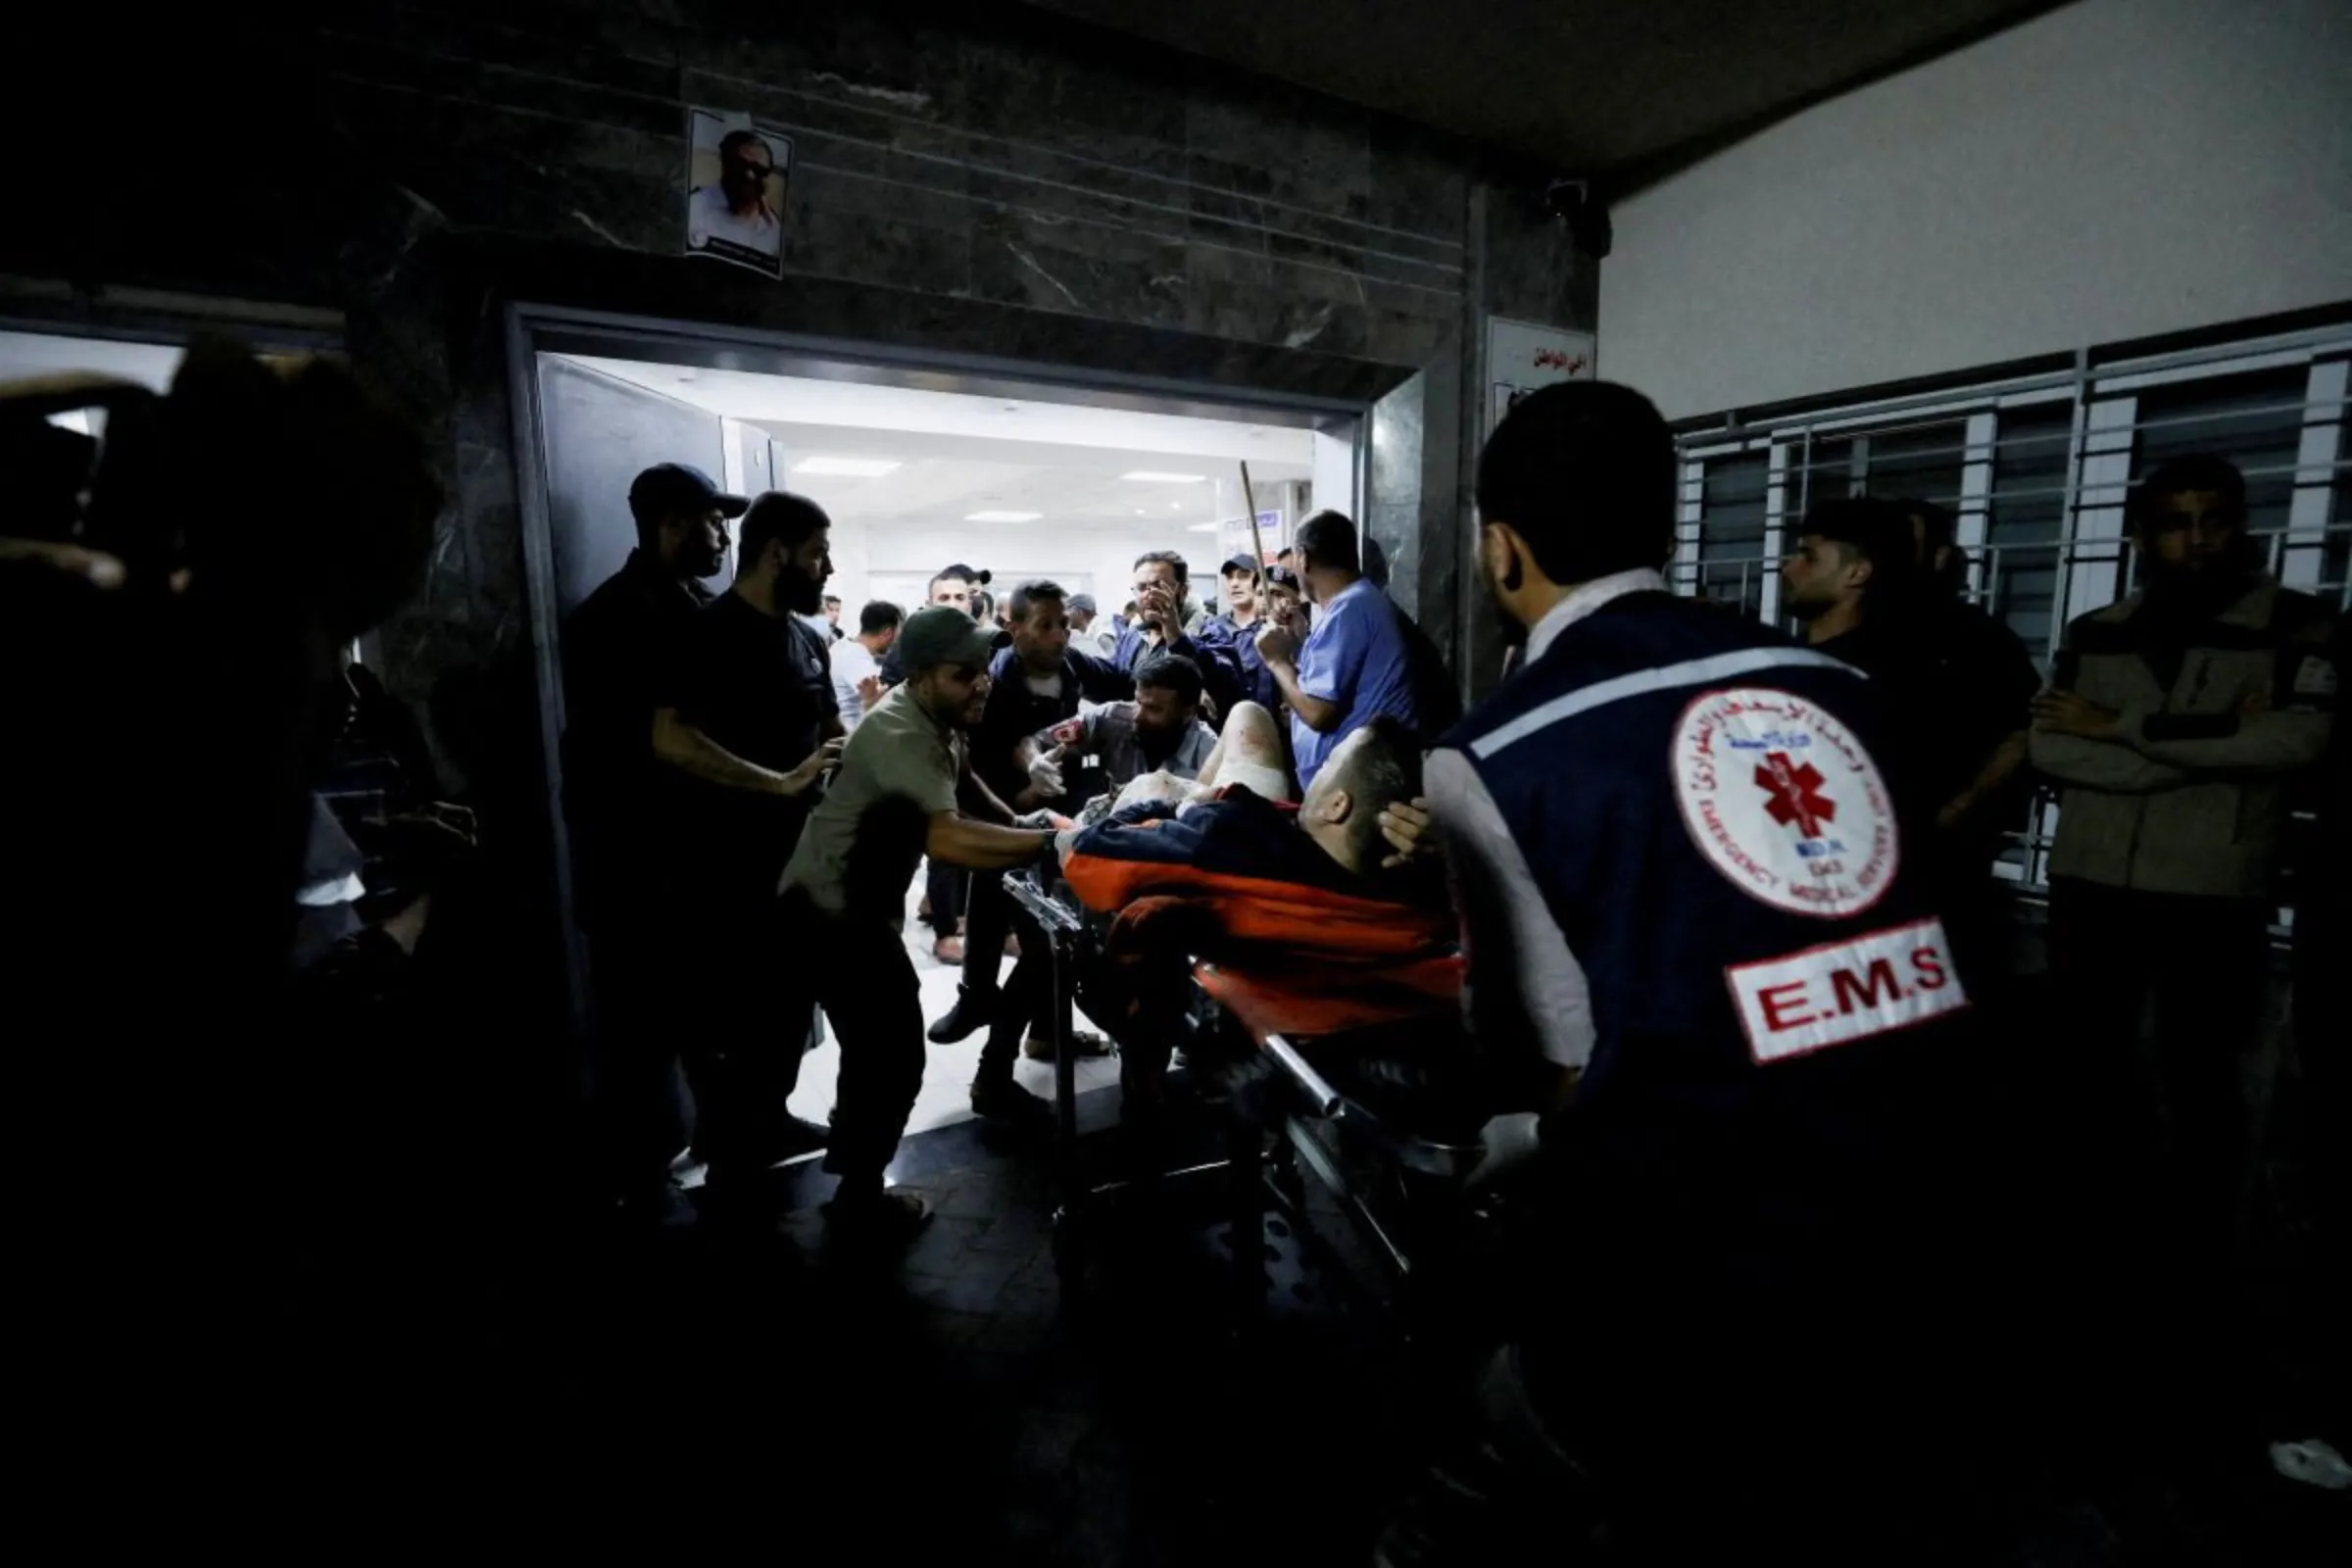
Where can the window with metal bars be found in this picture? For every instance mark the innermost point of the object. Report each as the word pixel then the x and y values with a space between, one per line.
pixel 2035 469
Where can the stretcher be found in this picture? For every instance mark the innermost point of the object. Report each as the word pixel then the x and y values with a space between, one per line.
pixel 1381 1105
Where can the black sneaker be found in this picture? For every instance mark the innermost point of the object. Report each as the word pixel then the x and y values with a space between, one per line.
pixel 967 1018
pixel 890 1217
pixel 1003 1101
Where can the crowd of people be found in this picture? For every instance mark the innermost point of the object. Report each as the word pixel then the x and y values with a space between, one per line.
pixel 1741 979
pixel 753 791
pixel 1739 954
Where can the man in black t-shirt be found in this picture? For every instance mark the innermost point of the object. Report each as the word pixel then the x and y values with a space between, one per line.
pixel 746 710
pixel 619 806
pixel 1953 686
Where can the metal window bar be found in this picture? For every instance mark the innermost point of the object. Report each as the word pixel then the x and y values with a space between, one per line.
pixel 2119 418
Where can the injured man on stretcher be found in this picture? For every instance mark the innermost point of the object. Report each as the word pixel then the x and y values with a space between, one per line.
pixel 1310 924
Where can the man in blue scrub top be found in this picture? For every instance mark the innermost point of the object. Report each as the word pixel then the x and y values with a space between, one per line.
pixel 1360 661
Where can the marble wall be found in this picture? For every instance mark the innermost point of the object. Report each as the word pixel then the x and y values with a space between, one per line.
pixel 978 179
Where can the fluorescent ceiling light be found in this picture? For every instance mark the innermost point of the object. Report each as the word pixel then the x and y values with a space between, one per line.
pixel 847 467
pixel 1004 516
pixel 1202 527
pixel 1148 476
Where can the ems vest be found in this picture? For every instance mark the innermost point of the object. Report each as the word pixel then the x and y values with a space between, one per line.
pixel 1700 803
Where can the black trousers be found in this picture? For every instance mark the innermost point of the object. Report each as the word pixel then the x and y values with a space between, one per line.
pixel 988 917
pixel 2163 1130
pixel 858 970
pixel 1976 912
pixel 743 1044
pixel 2323 1053
pixel 2198 964
pixel 640 1014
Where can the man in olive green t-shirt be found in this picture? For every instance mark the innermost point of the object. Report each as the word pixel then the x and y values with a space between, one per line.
pixel 905 790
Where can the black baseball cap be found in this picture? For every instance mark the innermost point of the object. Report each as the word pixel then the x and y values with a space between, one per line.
pixel 669 489
pixel 1242 563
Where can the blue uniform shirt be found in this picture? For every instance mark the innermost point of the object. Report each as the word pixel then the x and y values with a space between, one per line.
pixel 1356 657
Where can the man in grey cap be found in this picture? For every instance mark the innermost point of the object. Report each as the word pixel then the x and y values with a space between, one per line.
pixel 906 790
pixel 623 808
pixel 1089 633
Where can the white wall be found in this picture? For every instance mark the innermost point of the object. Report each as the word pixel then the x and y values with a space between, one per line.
pixel 2110 171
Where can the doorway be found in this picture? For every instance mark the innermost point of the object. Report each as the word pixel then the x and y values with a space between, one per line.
pixel 922 461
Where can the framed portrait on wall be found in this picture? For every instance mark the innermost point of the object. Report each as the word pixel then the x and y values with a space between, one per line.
pixel 736 176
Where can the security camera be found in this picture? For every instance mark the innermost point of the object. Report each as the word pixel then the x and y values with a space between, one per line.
pixel 1573 202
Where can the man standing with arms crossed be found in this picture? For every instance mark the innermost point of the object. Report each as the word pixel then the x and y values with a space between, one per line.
pixel 906 790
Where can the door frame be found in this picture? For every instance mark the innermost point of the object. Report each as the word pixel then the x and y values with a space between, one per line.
pixel 533 329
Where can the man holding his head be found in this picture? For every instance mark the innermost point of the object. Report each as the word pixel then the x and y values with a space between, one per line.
pixel 1161 610
pixel 906 790
pixel 1308 888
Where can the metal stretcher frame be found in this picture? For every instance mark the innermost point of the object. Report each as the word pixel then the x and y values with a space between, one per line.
pixel 1254 1183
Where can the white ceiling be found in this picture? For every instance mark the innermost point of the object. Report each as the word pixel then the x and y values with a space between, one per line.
pixel 961 454
pixel 28 354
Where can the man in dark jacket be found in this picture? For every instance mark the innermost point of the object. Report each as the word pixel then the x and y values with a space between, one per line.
pixel 1158 627
pixel 1035 684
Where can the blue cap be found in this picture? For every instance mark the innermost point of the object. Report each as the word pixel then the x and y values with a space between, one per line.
pixel 674 489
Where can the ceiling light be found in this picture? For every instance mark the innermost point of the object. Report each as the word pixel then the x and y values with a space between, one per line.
pixel 1202 527
pixel 1148 476
pixel 1004 516
pixel 847 467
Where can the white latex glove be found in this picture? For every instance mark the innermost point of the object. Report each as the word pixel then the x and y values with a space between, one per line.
pixel 1509 1140
pixel 1044 774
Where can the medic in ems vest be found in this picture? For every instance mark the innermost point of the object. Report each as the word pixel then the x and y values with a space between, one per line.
pixel 1684 889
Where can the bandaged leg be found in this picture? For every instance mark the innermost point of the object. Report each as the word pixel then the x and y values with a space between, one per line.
pixel 1249 752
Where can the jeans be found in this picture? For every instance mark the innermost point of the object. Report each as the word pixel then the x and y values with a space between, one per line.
pixel 948 890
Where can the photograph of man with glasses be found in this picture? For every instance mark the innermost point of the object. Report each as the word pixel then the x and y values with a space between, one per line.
pixel 738 214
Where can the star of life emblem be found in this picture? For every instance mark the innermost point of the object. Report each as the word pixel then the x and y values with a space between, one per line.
pixel 1783 799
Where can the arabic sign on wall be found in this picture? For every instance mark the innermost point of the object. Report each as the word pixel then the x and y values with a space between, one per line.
pixel 1522 357
pixel 1233 536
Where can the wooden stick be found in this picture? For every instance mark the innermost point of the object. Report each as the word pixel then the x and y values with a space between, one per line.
pixel 1256 541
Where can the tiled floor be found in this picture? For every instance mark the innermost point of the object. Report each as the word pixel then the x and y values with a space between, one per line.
pixel 942 1102
pixel 697 1387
